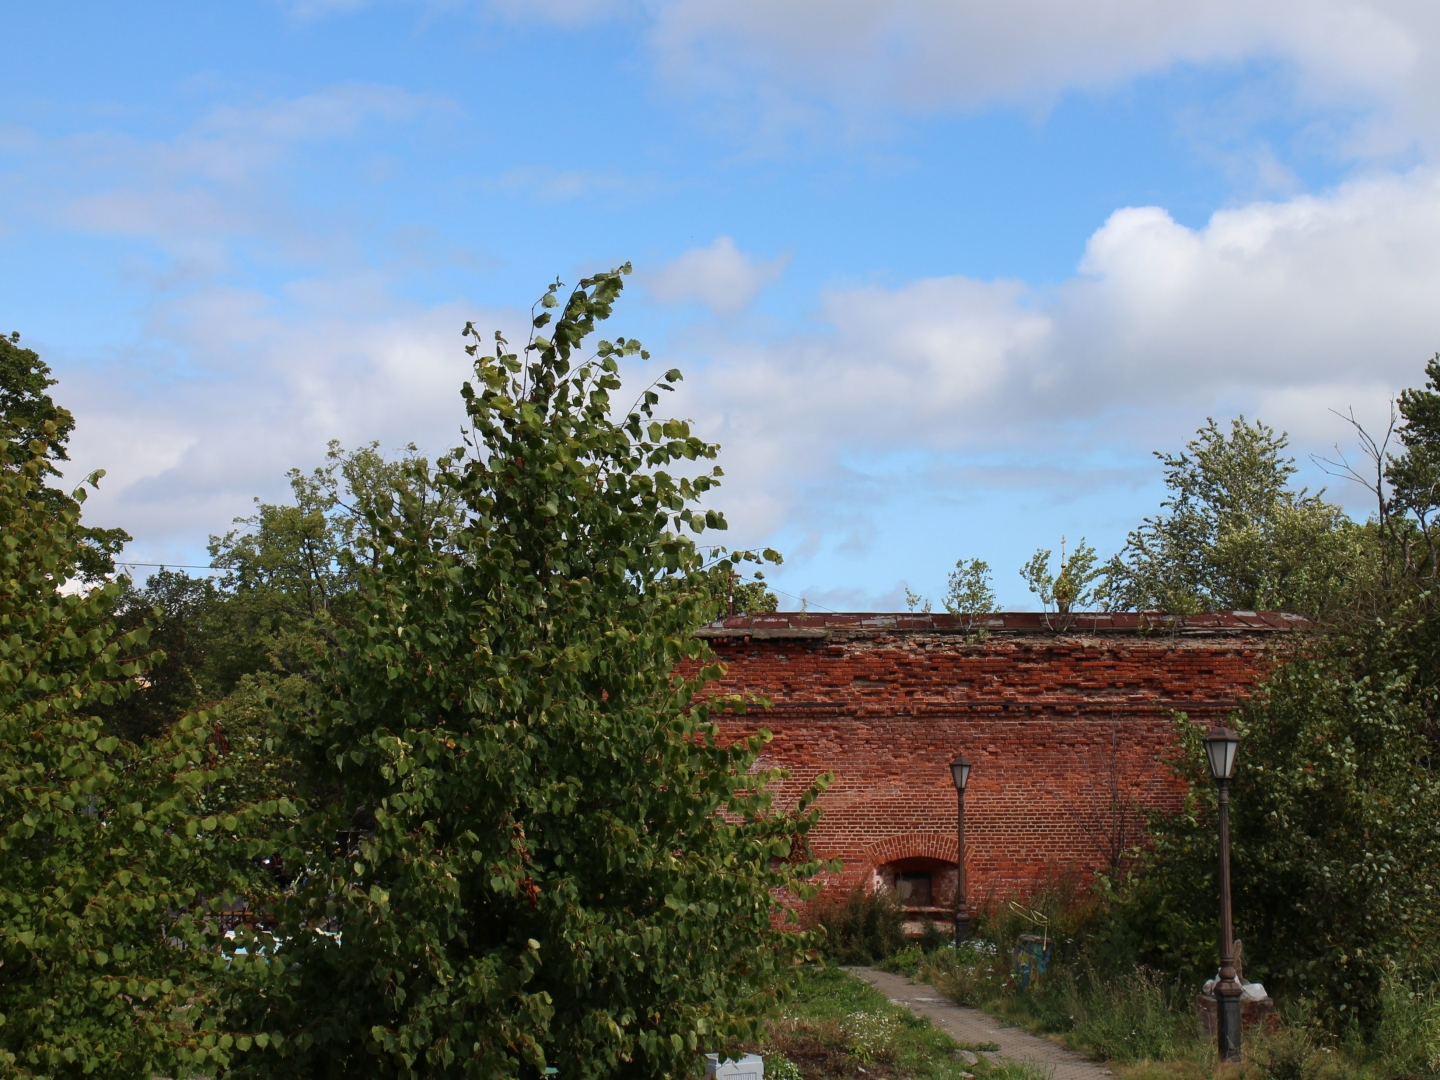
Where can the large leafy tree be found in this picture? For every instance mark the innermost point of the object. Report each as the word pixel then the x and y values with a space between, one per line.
pixel 1235 534
pixel 1335 850
pixel 111 865
pixel 523 847
pixel 286 575
pixel 32 419
pixel 1414 477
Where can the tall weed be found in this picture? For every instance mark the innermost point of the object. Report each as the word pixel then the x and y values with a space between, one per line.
pixel 973 974
pixel 1407 1041
pixel 1133 1018
pixel 860 927
pixel 1291 1053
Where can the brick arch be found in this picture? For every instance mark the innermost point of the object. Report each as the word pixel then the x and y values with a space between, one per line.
pixel 912 845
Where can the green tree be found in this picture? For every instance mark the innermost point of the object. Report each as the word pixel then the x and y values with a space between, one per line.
pixel 107 861
pixel 1335 853
pixel 519 821
pixel 754 597
pixel 289 572
pixel 178 609
pixel 915 602
pixel 28 409
pixel 1235 534
pixel 30 416
pixel 1336 858
pixel 1073 587
pixel 970 592
pixel 287 577
pixel 1415 473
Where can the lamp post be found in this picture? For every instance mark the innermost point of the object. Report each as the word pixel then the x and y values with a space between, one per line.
pixel 1220 746
pixel 960 774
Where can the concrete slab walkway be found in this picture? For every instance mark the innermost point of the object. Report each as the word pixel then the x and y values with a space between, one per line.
pixel 973 1026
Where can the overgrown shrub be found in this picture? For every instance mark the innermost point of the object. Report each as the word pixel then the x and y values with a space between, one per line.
pixel 1335 854
pixel 905 962
pixel 861 927
pixel 1407 1040
pixel 972 974
pixel 1290 1053
pixel 1129 1018
pixel 518 820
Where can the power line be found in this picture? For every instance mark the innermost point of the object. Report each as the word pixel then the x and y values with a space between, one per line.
pixel 808 603
pixel 184 566
pixel 165 565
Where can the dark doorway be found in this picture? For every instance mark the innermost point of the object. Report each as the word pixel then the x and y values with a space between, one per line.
pixel 914 888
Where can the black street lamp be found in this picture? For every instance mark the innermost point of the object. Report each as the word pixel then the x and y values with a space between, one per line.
pixel 1220 746
pixel 960 773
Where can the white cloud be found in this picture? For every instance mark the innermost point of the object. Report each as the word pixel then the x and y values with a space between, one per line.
pixel 720 276
pixel 936 52
pixel 1284 310
pixel 555 185
pixel 226 386
pixel 307 10
pixel 213 184
pixel 186 454
pixel 1374 57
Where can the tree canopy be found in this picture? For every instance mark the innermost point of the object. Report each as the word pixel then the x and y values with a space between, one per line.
pixel 545 856
pixel 111 859
pixel 35 426
pixel 1234 534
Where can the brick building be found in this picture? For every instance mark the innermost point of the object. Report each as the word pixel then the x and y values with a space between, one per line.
pixel 1067 721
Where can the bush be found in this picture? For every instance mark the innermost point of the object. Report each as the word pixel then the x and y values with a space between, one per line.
pixel 554 863
pixel 1407 1041
pixel 779 1067
pixel 1133 1018
pixel 1335 856
pixel 860 927
pixel 973 974
pixel 1290 1053
pixel 905 962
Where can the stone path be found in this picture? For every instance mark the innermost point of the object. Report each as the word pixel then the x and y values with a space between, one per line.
pixel 973 1026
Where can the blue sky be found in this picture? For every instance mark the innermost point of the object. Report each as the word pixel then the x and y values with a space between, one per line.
pixel 941 275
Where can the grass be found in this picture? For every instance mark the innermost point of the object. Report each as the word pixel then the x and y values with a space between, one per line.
pixel 1144 1024
pixel 839 1028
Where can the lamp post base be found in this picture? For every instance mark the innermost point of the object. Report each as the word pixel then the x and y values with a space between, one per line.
pixel 1228 1023
pixel 962 928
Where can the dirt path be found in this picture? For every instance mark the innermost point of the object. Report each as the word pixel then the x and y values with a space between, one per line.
pixel 973 1026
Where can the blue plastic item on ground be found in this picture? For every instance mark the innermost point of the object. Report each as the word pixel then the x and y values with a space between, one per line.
pixel 1032 958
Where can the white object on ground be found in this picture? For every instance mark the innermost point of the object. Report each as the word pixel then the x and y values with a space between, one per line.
pixel 749 1067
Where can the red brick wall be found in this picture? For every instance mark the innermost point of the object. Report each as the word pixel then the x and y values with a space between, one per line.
pixel 1058 722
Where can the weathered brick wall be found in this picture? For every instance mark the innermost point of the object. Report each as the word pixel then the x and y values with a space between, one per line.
pixel 1062 722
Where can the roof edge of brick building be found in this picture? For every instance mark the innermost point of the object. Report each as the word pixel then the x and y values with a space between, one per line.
pixel 813 624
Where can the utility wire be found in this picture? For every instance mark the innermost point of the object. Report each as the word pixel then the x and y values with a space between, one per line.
pixel 805 601
pixel 182 566
pixel 166 565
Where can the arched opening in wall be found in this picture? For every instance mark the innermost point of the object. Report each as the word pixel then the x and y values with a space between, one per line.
pixel 926 891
